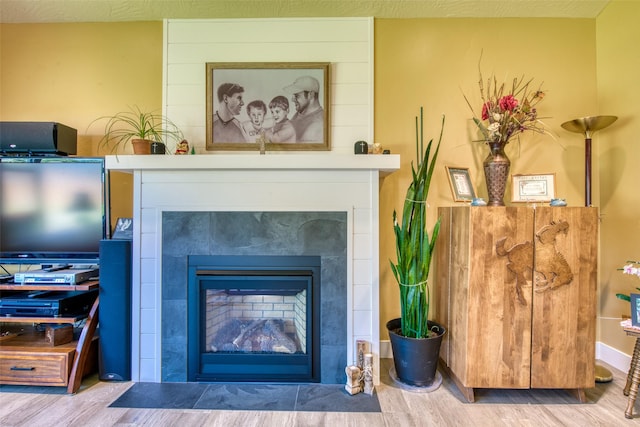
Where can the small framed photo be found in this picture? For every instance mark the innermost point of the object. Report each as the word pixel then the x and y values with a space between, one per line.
pixel 635 310
pixel 460 182
pixel 533 188
pixel 278 106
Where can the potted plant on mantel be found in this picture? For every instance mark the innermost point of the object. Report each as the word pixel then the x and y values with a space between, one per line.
pixel 147 131
pixel 415 340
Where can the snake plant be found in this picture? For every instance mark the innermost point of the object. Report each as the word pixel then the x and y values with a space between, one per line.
pixel 414 247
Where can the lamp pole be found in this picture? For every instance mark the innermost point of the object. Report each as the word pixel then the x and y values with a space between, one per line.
pixel 586 126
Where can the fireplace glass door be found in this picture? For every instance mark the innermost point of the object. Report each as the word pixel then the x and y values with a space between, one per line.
pixel 253 319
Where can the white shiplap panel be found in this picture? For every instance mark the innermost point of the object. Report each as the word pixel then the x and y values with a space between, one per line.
pixel 186 74
pixel 268 30
pixel 351 93
pixel 263 52
pixel 347 43
pixel 352 72
pixel 193 114
pixel 345 137
pixel 249 176
pixel 349 115
pixel 183 95
pixel 258 196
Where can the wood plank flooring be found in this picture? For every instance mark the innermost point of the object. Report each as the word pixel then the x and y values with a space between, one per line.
pixel 37 406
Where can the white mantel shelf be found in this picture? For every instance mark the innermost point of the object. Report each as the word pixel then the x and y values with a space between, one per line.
pixel 385 163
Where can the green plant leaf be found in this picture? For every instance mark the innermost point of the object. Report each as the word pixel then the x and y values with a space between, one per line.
pixel 414 245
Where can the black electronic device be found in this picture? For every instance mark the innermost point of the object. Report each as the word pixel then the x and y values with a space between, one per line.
pixel 37 138
pixel 115 310
pixel 47 303
pixel 52 210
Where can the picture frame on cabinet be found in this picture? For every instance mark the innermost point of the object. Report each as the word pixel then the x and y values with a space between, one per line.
pixel 460 183
pixel 124 229
pixel 533 188
pixel 635 309
pixel 273 106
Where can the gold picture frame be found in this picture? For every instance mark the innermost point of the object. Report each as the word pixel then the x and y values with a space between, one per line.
pixel 273 106
pixel 460 183
pixel 533 188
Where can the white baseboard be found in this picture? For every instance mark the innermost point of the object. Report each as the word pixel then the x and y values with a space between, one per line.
pixel 613 357
pixel 605 353
pixel 385 349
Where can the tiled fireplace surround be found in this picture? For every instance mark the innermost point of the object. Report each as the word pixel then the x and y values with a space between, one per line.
pixel 307 200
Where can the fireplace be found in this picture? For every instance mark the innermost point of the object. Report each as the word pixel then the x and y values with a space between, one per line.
pixel 254 318
pixel 257 189
pixel 223 247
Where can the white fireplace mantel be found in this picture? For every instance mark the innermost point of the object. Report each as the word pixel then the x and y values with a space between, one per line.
pixel 254 183
pixel 385 164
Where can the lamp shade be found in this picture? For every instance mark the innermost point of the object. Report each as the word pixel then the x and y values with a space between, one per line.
pixel 589 124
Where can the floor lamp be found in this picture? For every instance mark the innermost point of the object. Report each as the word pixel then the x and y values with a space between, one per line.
pixel 586 126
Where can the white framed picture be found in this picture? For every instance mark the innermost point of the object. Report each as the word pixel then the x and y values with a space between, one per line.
pixel 533 188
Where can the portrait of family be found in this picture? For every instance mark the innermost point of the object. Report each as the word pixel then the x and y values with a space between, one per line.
pixel 281 106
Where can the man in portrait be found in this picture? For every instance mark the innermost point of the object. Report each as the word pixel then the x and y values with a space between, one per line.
pixel 226 127
pixel 308 121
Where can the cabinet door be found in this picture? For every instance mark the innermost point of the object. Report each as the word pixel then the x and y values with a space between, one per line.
pixel 564 298
pixel 489 296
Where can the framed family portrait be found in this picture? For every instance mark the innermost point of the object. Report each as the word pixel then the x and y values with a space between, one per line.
pixel 460 182
pixel 533 188
pixel 267 106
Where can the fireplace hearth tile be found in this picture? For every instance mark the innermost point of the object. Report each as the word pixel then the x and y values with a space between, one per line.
pixel 246 397
pixel 326 397
pixel 260 397
pixel 160 395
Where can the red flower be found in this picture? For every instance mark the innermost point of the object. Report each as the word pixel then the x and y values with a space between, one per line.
pixel 508 103
pixel 485 110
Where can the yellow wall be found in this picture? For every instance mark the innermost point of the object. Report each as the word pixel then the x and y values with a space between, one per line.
pixel 74 73
pixel 618 34
pixel 432 62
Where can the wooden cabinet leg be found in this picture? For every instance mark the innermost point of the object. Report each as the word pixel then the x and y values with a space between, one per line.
pixel 467 392
pixel 579 394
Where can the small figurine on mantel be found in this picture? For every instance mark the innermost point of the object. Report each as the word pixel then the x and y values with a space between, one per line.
pixel 183 147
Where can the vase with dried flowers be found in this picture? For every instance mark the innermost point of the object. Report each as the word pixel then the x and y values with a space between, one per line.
pixel 506 113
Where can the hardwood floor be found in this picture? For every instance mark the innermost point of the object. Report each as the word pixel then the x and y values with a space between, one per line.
pixel 37 406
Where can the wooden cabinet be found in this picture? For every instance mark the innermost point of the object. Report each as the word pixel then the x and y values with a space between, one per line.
pixel 516 289
pixel 27 359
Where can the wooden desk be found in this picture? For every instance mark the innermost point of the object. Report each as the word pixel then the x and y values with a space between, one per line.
pixel 633 377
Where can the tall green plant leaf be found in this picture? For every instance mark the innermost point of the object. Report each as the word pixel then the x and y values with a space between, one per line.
pixel 414 247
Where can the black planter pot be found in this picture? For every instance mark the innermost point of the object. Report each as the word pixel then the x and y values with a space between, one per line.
pixel 415 359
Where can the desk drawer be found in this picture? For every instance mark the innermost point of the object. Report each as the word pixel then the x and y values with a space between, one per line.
pixel 35 368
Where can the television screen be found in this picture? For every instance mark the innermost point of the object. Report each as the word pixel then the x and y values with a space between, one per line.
pixel 52 209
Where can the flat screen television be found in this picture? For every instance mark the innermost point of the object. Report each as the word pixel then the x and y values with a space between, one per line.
pixel 52 210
